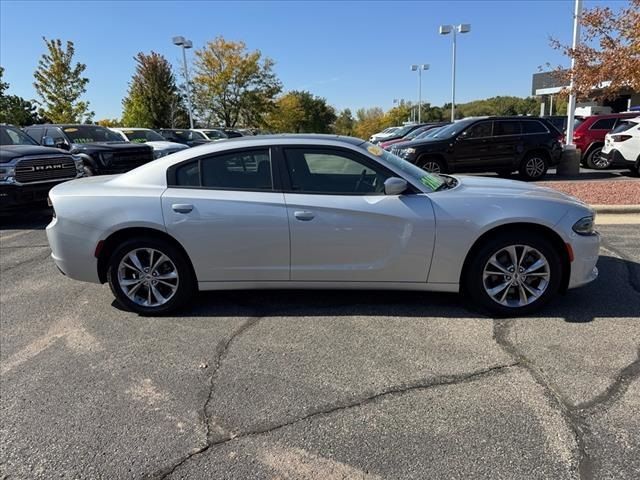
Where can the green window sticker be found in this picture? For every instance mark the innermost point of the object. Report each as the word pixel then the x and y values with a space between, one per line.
pixel 430 182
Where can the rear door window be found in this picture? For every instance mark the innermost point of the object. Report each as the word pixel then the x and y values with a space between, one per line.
pixel 506 127
pixel 603 124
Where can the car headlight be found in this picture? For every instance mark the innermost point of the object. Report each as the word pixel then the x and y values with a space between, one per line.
pixel 7 174
pixel 585 226
pixel 79 163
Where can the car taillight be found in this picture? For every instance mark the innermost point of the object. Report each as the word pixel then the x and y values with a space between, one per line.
pixel 620 138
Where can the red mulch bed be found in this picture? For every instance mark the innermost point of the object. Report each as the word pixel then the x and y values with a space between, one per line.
pixel 619 192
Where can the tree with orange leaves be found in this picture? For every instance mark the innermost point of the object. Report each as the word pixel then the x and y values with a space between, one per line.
pixel 608 56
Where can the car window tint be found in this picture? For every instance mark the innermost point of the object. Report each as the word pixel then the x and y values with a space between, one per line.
pixel 188 175
pixel 36 133
pixel 479 130
pixel 623 125
pixel 506 127
pixel 243 170
pixel 533 126
pixel 332 172
pixel 603 124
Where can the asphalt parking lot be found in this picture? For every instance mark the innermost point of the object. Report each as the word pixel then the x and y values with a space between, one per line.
pixel 284 384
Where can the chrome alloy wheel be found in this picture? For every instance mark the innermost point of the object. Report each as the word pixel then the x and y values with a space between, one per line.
pixel 599 160
pixel 148 277
pixel 534 167
pixel 516 276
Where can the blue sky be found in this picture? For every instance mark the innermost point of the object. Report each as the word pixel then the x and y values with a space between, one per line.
pixel 355 54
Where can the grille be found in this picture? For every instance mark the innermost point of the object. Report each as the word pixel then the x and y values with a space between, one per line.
pixel 128 160
pixel 42 169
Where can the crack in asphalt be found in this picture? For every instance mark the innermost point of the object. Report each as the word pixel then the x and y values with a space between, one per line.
pixel 25 262
pixel 574 415
pixel 219 355
pixel 501 330
pixel 400 389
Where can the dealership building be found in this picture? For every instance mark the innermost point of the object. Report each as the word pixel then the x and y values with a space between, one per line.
pixel 547 85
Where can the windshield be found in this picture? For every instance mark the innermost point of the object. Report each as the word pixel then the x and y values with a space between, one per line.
pixel 429 133
pixel 453 129
pixel 142 136
pixel 13 136
pixel 90 134
pixel 430 180
pixel 416 132
pixel 188 135
pixel 214 134
pixel 401 132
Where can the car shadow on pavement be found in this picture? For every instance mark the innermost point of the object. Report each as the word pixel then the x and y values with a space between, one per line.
pixel 26 218
pixel 615 294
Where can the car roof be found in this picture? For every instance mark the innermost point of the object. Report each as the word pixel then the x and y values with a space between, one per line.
pixel 283 138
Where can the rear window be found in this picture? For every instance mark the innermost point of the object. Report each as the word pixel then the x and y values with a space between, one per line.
pixel 623 125
pixel 533 126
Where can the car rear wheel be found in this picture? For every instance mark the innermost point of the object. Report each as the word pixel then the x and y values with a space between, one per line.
pixel 150 276
pixel 514 274
pixel 88 171
pixel 534 166
pixel 432 165
pixel 596 160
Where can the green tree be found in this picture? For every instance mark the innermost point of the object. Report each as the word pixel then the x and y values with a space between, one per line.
pixel 368 122
pixel 109 122
pixel 303 113
pixel 60 84
pixel 232 85
pixel 345 123
pixel 288 116
pixel 14 109
pixel 153 99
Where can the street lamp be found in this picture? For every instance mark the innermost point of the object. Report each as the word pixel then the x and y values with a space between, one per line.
pixel 185 44
pixel 419 68
pixel 445 30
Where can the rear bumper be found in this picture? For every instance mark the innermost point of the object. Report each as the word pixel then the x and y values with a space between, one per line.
pixel 72 249
pixel 615 158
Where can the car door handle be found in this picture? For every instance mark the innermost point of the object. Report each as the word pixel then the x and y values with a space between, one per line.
pixel 182 207
pixel 304 215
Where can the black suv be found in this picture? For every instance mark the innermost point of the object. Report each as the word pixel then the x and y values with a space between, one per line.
pixel 28 171
pixel 528 145
pixel 103 152
pixel 185 136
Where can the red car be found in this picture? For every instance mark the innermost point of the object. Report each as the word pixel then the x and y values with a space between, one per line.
pixel 589 135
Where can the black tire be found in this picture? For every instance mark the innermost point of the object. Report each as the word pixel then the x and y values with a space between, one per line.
pixel 534 166
pixel 185 284
pixel 88 171
pixel 595 161
pixel 474 284
pixel 432 165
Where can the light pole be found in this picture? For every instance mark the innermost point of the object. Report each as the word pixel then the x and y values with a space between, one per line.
pixel 419 68
pixel 455 29
pixel 571 107
pixel 185 44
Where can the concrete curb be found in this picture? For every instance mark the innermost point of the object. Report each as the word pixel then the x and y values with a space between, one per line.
pixel 617 209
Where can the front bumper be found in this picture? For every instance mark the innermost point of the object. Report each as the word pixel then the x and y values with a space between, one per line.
pixel 13 196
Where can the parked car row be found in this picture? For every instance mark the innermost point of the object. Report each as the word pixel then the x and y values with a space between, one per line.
pixel 622 145
pixel 39 156
pixel 589 136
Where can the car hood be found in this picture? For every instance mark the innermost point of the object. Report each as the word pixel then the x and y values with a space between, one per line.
pixel 501 188
pixel 162 145
pixel 10 152
pixel 108 146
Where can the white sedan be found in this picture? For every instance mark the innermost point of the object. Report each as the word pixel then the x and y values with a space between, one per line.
pixel 313 212
pixel 161 147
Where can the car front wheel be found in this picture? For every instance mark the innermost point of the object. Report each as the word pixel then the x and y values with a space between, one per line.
pixel 432 165
pixel 150 276
pixel 514 274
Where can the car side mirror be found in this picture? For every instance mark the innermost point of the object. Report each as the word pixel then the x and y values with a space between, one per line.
pixel 394 186
pixel 61 143
pixel 48 142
